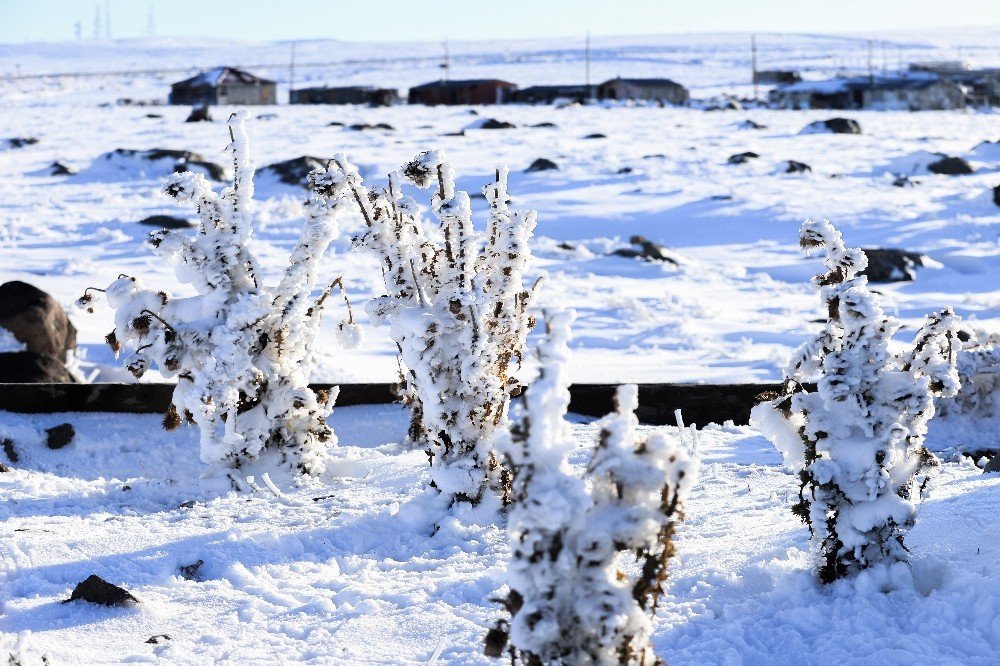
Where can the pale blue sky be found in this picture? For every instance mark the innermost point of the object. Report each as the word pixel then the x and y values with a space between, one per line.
pixel 396 20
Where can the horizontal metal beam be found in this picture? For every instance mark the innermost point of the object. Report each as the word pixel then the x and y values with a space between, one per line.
pixel 699 403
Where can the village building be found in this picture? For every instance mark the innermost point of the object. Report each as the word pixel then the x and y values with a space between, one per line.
pixel 982 85
pixel 906 93
pixel 473 91
pixel 663 90
pixel 369 95
pixel 224 85
pixel 777 76
pixel 550 94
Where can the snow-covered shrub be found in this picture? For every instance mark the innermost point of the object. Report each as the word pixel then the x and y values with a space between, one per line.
pixel 857 440
pixel 241 350
pixel 457 308
pixel 589 556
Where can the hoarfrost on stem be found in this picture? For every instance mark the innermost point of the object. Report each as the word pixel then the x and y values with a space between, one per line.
pixel 241 350
pixel 571 600
pixel 857 440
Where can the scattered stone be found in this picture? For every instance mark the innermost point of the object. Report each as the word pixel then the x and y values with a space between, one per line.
pixel 60 169
pixel 187 505
pixel 183 159
pixel 904 181
pixel 751 124
pixel 295 170
pixel 892 265
pixel 545 124
pixel 797 167
pixel 566 246
pixel 658 156
pixel 153 115
pixel 834 126
pixel 96 590
pixel 542 164
pixel 167 222
pixel 624 170
pixel 996 195
pixel 4 469
pixel 159 638
pixel 199 114
pixel 493 124
pixel 28 367
pixel 742 158
pixel 59 436
pixel 335 123
pixel 596 135
pixel 951 166
pixel 9 450
pixel 36 319
pixel 190 571
pixel 267 116
pixel 458 133
pixel 646 250
pixel 20 141
pixel 721 197
pixel 365 126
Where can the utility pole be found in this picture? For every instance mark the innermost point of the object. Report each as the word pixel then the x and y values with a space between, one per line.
pixel 871 62
pixel 753 64
pixel 447 61
pixel 586 60
pixel 107 19
pixel 291 74
pixel 885 60
pixel 97 21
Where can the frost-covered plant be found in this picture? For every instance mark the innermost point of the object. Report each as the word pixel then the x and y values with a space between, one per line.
pixel 457 308
pixel 588 560
pixel 241 350
pixel 857 439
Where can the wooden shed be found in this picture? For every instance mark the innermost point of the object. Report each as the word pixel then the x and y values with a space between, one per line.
pixel 901 93
pixel 345 95
pixel 224 85
pixel 664 90
pixel 472 91
pixel 550 94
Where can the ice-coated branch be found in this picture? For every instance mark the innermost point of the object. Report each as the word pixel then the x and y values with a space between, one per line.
pixel 857 440
pixel 241 350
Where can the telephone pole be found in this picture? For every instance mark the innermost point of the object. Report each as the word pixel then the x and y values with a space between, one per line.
pixel 586 60
pixel 291 74
pixel 447 61
pixel 753 65
pixel 107 19
pixel 871 62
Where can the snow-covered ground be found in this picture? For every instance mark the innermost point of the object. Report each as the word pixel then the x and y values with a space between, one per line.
pixel 347 570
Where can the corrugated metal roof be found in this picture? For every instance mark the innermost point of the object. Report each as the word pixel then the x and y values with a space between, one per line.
pixel 467 83
pixel 834 86
pixel 219 75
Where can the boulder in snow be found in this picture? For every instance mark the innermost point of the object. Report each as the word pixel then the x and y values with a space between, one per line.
pixel 60 169
pixel 596 135
pixel 996 195
pixel 199 114
pixel 36 319
pixel 28 367
pixel 96 590
pixel 18 142
pixel 490 124
pixel 833 126
pixel 360 127
pixel 541 164
pixel 647 250
pixel 295 170
pixel 951 166
pixel 154 163
pixel 751 125
pixel 892 265
pixel 167 222
pixel 797 167
pixel 742 158
pixel 59 436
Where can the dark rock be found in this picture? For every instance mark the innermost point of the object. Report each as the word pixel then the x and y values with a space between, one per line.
pixel 36 319
pixel 183 159
pixel 335 123
pixel 4 469
pixel 60 169
pixel 167 222
pixel 365 126
pixel 842 125
pixel 993 465
pixel 59 436
pixel 153 115
pixel 658 156
pixel 646 250
pixel 492 124
pixel 566 246
pixel 9 450
pixel 596 135
pixel 951 166
pixel 546 124
pixel 28 367
pixel 294 171
pixel 797 167
pixel 458 133
pixel 157 639
pixel 751 124
pixel 996 195
pixel 624 170
pixel 721 197
pixel 904 181
pixel 190 571
pixel 96 590
pixel 267 116
pixel 891 265
pixel 199 114
pixel 742 158
pixel 541 164
pixel 20 141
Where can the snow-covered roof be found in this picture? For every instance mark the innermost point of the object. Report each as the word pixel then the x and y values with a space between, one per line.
pixel 219 75
pixel 834 86
pixel 467 83
pixel 644 82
